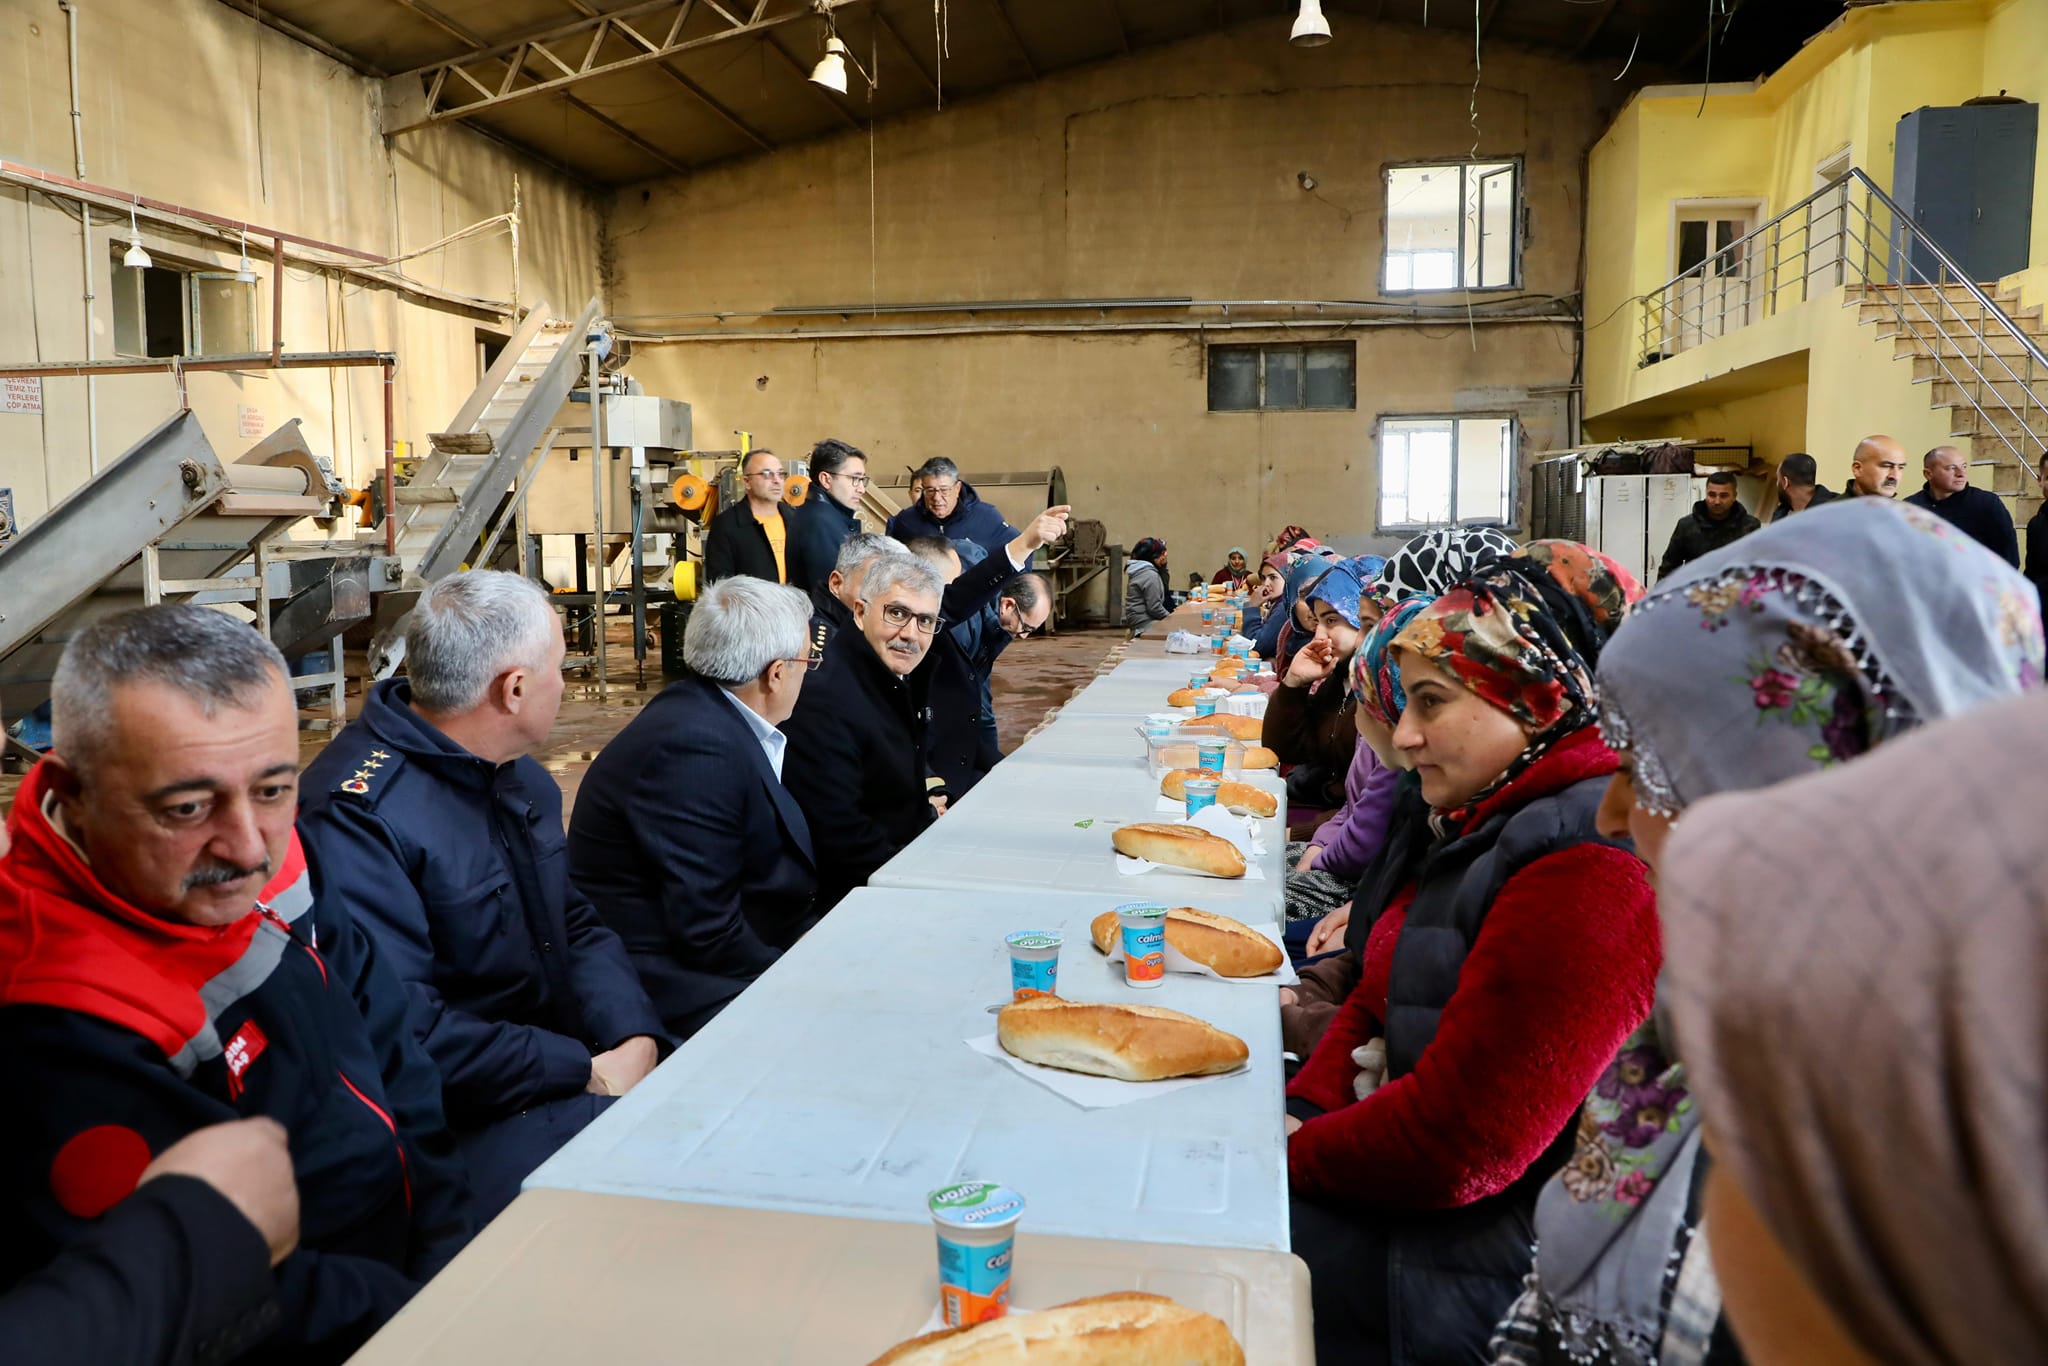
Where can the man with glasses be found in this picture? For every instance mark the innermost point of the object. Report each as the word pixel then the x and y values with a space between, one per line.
pixel 683 832
pixel 951 508
pixel 839 476
pixel 750 537
pixel 1876 468
pixel 856 761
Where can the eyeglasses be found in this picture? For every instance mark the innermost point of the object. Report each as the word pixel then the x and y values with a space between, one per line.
pixel 809 661
pixel 897 615
pixel 770 475
pixel 859 481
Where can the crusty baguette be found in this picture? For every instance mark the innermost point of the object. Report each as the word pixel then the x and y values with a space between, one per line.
pixel 1226 946
pixel 1129 1329
pixel 1235 726
pixel 1180 846
pixel 1129 1043
pixel 1242 798
pixel 1182 697
pixel 1185 756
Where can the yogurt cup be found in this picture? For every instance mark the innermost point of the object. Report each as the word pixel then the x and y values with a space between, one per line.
pixel 1205 705
pixel 1208 614
pixel 1034 963
pixel 976 1223
pixel 1199 679
pixel 1159 727
pixel 1200 794
pixel 1211 755
pixel 1144 935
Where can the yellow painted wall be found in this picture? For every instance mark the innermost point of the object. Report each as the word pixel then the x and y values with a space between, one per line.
pixel 172 111
pixel 1170 173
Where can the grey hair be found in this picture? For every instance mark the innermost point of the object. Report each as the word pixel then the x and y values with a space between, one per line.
pixel 861 548
pixel 469 628
pixel 206 655
pixel 740 626
pixel 1027 590
pixel 900 571
pixel 938 467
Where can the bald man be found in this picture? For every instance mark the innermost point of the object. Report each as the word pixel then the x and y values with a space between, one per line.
pixel 1979 512
pixel 1876 468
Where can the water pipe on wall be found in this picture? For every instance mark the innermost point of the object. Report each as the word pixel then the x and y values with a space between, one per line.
pixel 92 403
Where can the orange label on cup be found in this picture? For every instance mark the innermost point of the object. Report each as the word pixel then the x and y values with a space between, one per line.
pixel 963 1307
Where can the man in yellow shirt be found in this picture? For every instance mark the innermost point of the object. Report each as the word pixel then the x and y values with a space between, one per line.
pixel 751 537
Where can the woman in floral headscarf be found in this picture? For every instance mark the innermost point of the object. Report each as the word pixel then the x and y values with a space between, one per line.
pixel 1800 648
pixel 1502 966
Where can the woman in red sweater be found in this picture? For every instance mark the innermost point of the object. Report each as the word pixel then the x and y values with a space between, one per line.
pixel 1501 972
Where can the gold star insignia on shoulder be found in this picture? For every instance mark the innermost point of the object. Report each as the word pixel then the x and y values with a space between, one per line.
pixel 361 774
pixel 379 754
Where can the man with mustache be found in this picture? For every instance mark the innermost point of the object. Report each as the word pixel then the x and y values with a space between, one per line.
pixel 168 962
pixel 856 761
pixel 444 837
pixel 1875 469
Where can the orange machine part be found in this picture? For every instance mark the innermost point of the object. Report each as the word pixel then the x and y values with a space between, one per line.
pixel 689 492
pixel 796 490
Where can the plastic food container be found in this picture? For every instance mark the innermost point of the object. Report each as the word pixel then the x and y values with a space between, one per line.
pixel 976 1223
pixel 1034 963
pixel 1177 749
pixel 1144 935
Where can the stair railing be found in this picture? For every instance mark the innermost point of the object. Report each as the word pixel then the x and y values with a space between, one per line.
pixel 1850 232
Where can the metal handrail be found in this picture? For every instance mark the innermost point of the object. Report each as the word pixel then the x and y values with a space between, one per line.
pixel 1745 280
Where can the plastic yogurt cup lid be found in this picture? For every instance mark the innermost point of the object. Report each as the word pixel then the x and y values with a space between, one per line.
pixel 975 1204
pixel 1149 910
pixel 1207 784
pixel 1034 939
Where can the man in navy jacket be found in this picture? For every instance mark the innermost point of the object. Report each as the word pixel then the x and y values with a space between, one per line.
pixel 1978 513
pixel 951 508
pixel 168 961
pixel 444 839
pixel 683 832
pixel 839 476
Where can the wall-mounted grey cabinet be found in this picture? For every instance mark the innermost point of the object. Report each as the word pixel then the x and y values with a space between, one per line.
pixel 1966 176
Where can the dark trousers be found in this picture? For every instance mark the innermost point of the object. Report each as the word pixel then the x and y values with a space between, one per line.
pixel 501 1155
pixel 1347 1270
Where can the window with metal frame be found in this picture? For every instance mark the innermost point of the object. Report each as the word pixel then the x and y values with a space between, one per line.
pixel 168 311
pixel 1440 470
pixel 1285 377
pixel 1453 226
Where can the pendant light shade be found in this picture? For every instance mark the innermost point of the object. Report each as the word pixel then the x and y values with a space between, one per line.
pixel 830 71
pixel 1311 29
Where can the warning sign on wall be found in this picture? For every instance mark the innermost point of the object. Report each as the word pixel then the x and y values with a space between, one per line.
pixel 249 421
pixel 21 394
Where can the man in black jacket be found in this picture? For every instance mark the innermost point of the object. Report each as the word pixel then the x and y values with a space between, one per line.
pixel 832 605
pixel 443 837
pixel 752 537
pixel 179 1272
pixel 2037 540
pixel 1979 513
pixel 839 476
pixel 856 761
pixel 1799 486
pixel 1715 521
pixel 683 832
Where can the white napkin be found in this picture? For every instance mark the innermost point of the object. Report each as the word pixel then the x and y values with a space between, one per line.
pixel 1176 961
pixel 1185 643
pixel 1090 1093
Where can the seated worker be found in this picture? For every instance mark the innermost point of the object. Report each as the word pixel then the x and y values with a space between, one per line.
pixel 856 759
pixel 180 1267
pixel 159 973
pixel 1308 717
pixel 444 839
pixel 1235 570
pixel 1145 598
pixel 832 609
pixel 1500 972
pixel 683 833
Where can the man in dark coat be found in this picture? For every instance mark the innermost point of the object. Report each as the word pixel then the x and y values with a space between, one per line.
pixel 1876 468
pixel 1715 521
pixel 168 961
pixel 1024 606
pixel 1979 513
pixel 951 508
pixel 683 832
pixel 443 837
pixel 856 762
pixel 839 476
pixel 2037 540
pixel 752 536
pixel 832 605
pixel 1799 486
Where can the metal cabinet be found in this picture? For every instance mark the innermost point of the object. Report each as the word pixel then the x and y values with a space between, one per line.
pixel 1966 176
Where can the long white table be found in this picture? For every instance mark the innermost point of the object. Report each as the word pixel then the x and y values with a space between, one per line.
pixel 1136 686
pixel 841 1084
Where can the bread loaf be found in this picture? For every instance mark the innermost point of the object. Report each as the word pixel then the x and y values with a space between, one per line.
pixel 1217 942
pixel 1184 756
pixel 1242 798
pixel 1180 846
pixel 1129 1043
pixel 1236 727
pixel 1129 1329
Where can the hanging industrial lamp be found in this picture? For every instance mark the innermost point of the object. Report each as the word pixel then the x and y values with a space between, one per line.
pixel 830 71
pixel 135 258
pixel 245 269
pixel 1311 29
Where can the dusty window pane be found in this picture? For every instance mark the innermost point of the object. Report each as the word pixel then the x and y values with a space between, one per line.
pixel 1283 377
pixel 126 287
pixel 222 316
pixel 1233 379
pixel 1415 472
pixel 1451 225
pixel 1484 444
pixel 1327 377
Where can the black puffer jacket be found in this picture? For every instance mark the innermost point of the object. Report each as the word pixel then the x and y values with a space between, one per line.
pixel 1700 533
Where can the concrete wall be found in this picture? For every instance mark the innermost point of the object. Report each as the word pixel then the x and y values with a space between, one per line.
pixel 190 102
pixel 1174 173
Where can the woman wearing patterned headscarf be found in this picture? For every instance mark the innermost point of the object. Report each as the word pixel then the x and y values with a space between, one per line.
pixel 1284 630
pixel 1798 649
pixel 1502 965
pixel 1435 560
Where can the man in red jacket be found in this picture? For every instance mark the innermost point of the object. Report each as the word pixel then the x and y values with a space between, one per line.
pixel 164 967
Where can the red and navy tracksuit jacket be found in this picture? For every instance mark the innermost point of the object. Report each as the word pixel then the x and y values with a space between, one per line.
pixel 121 1032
